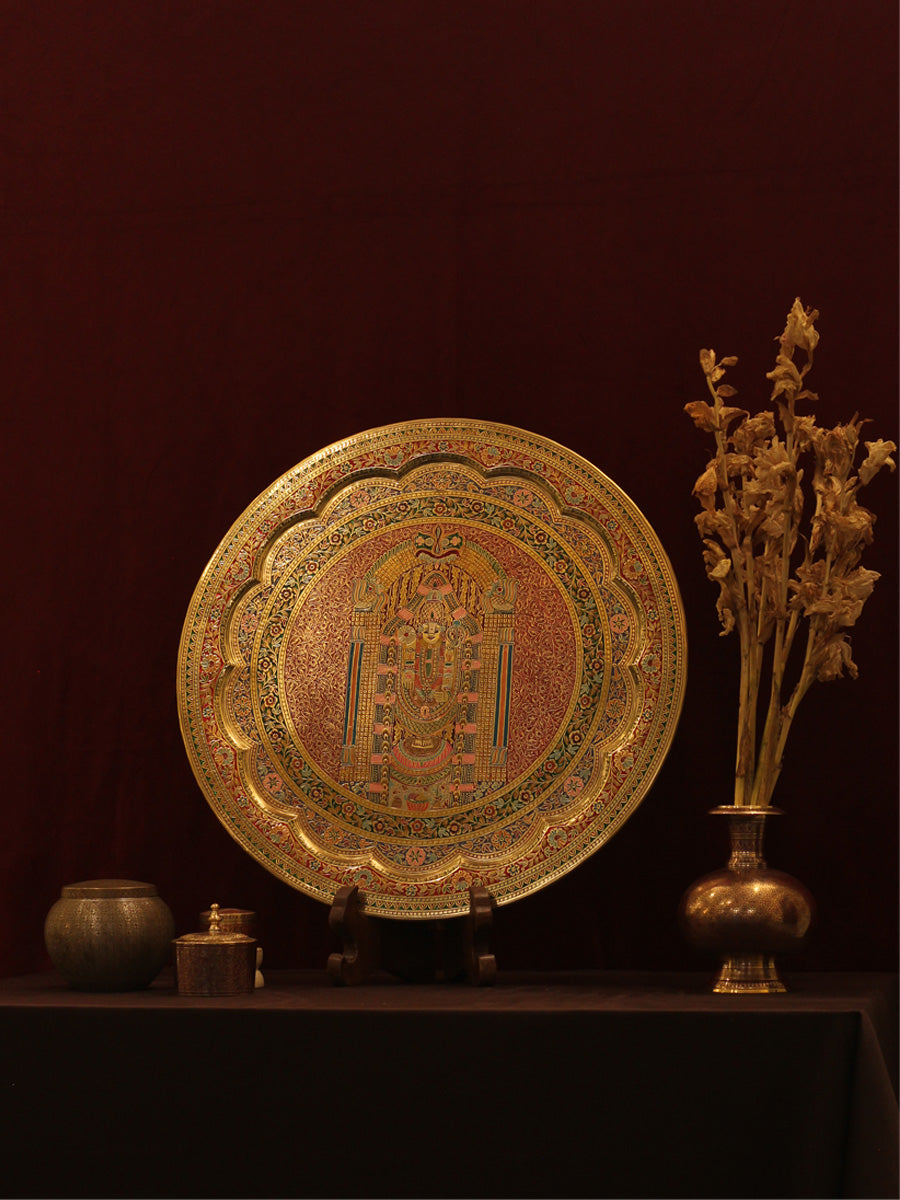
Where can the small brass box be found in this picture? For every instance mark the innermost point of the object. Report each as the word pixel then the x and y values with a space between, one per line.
pixel 215 963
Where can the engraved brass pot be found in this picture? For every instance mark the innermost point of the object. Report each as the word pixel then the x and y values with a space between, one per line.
pixel 109 935
pixel 747 912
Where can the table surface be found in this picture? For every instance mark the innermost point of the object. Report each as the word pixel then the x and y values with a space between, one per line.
pixel 596 1083
pixel 631 991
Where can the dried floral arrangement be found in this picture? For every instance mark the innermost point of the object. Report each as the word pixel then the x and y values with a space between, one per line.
pixel 783 544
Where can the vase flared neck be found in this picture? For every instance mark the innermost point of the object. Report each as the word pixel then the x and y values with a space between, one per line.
pixel 746 829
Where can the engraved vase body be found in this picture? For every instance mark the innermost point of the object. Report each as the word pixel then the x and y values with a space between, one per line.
pixel 747 912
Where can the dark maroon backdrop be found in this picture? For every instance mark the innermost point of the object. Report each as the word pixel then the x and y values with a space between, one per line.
pixel 236 232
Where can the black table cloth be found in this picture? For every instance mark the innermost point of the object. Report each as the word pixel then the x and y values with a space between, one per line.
pixel 547 1085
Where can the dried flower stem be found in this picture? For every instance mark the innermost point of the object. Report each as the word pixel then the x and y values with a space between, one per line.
pixel 752 499
pixel 748 678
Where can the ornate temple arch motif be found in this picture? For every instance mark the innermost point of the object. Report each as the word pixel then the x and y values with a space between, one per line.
pixel 429 674
pixel 437 654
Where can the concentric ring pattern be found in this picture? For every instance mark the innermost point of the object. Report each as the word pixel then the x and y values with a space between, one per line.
pixel 436 654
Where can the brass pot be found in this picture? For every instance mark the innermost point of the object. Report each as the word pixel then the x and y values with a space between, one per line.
pixel 747 912
pixel 109 935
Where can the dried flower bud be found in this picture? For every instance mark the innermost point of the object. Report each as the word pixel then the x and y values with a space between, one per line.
pixel 737 464
pixel 716 523
pixel 845 535
pixel 710 367
pixel 800 331
pixel 786 380
pixel 706 486
pixel 718 568
pixel 703 415
pixel 804 427
pixel 721 569
pixel 753 432
pixel 835 658
pixel 878 457
pixel 835 448
pixel 837 598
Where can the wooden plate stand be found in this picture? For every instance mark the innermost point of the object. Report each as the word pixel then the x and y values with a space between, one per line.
pixel 441 950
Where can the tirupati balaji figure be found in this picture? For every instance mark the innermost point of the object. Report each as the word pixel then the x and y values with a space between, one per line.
pixel 429 677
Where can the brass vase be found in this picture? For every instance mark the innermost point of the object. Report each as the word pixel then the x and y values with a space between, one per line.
pixel 747 912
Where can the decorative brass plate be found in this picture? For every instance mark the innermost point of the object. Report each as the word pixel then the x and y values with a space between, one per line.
pixel 436 654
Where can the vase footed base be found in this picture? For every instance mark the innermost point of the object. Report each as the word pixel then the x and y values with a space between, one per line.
pixel 748 974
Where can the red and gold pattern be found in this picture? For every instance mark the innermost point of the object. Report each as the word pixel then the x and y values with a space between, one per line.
pixel 434 655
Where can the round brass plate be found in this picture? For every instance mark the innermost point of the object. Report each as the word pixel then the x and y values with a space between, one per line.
pixel 437 654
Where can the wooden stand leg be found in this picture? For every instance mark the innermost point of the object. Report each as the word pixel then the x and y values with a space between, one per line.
pixel 481 965
pixel 437 951
pixel 359 937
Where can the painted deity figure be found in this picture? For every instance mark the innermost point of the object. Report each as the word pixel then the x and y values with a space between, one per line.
pixel 427 701
pixel 429 678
